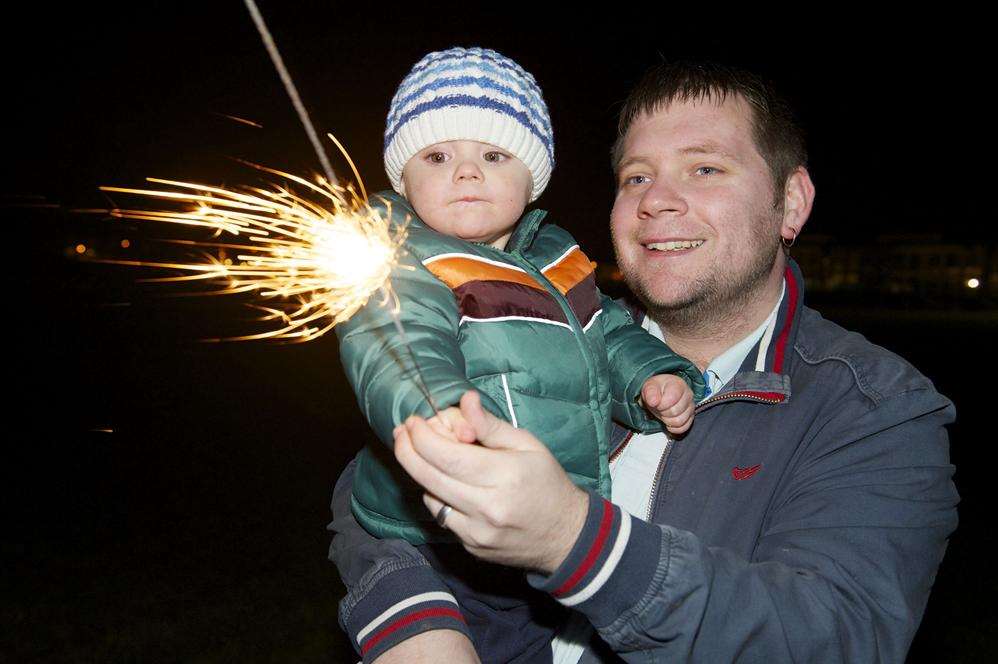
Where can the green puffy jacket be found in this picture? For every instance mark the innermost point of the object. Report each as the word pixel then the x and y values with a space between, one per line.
pixel 526 327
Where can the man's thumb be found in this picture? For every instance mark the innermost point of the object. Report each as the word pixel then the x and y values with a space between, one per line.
pixel 489 429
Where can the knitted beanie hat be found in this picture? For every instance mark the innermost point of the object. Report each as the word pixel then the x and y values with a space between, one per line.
pixel 471 94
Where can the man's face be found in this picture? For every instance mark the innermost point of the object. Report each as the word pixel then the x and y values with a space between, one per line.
pixel 694 223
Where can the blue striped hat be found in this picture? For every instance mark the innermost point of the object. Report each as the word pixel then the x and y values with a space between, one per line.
pixel 470 94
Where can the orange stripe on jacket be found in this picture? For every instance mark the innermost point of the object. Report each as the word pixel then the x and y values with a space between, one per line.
pixel 569 271
pixel 456 271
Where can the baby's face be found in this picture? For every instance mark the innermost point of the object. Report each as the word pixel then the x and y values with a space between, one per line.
pixel 467 189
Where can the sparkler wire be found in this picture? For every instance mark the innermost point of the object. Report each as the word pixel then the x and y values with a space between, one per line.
pixel 419 374
pixel 289 85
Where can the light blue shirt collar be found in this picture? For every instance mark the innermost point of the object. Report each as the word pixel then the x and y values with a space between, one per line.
pixel 726 365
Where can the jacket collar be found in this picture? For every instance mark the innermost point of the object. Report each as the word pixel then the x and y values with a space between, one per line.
pixel 523 234
pixel 525 231
pixel 764 375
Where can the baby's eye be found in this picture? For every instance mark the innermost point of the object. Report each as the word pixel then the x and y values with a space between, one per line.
pixel 495 156
pixel 436 157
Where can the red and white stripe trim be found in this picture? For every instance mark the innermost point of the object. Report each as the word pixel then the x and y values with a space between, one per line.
pixel 386 623
pixel 616 553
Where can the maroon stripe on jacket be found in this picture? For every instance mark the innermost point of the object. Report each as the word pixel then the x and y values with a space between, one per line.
pixel 781 340
pixel 594 552
pixel 408 620
pixel 494 299
pixel 583 299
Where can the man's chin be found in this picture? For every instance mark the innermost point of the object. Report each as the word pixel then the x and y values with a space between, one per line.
pixel 679 304
pixel 657 304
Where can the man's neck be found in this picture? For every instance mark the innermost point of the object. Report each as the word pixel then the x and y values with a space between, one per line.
pixel 720 327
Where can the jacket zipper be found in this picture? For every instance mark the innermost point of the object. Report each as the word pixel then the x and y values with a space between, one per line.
pixel 658 474
pixel 751 396
pixel 577 332
pixel 620 448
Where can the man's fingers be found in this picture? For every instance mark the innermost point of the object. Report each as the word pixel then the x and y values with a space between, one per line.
pixel 453 422
pixel 492 432
pixel 480 420
pixel 441 426
pixel 456 520
pixel 468 464
pixel 429 476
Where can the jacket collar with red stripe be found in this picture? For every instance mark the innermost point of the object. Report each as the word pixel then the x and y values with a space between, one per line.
pixel 772 383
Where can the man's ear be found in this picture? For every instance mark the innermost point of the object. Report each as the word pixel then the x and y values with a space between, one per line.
pixel 798 197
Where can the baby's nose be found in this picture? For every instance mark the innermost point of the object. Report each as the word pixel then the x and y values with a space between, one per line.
pixel 468 170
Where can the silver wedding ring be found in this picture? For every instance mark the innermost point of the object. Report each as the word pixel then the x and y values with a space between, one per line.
pixel 442 515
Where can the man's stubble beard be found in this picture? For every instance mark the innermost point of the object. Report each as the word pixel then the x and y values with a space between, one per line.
pixel 713 301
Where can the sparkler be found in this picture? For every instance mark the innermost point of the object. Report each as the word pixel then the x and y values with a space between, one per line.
pixel 330 258
pixel 323 260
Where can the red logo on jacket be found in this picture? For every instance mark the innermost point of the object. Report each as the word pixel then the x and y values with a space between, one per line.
pixel 740 473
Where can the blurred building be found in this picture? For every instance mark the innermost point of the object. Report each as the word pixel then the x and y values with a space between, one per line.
pixel 901 269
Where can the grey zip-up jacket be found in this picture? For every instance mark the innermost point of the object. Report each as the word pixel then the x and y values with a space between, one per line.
pixel 802 519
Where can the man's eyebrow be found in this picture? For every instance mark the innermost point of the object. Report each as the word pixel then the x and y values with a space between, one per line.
pixel 710 149
pixel 706 148
pixel 637 159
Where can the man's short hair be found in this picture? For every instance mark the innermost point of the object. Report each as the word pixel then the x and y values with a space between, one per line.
pixel 778 137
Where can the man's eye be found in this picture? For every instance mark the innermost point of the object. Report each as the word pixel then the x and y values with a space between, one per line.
pixel 707 170
pixel 635 179
pixel 495 156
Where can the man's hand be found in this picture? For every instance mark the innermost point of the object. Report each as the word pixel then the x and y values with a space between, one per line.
pixel 669 399
pixel 450 423
pixel 511 502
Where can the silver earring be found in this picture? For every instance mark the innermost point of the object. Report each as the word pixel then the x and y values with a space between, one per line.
pixel 792 240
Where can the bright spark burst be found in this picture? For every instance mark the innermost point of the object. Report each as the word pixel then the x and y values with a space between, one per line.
pixel 314 264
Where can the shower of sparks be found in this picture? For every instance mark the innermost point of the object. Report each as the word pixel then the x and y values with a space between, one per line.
pixel 314 264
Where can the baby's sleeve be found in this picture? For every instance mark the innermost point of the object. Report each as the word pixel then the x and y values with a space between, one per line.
pixel 634 356
pixel 385 373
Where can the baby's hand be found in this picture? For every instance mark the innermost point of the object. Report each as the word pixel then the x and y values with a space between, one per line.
pixel 669 399
pixel 451 423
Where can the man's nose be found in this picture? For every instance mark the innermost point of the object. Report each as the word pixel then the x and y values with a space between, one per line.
pixel 662 197
pixel 468 170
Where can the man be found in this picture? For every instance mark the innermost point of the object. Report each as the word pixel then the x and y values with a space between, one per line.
pixel 804 515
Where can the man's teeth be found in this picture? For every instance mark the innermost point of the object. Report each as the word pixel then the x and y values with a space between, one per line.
pixel 675 245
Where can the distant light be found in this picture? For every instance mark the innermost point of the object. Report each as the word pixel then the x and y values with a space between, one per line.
pixel 125 244
pixel 228 261
pixel 973 283
pixel 81 248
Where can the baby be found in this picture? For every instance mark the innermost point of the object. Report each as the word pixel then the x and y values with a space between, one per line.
pixel 495 301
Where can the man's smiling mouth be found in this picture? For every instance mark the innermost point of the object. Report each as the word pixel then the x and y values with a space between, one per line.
pixel 674 245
